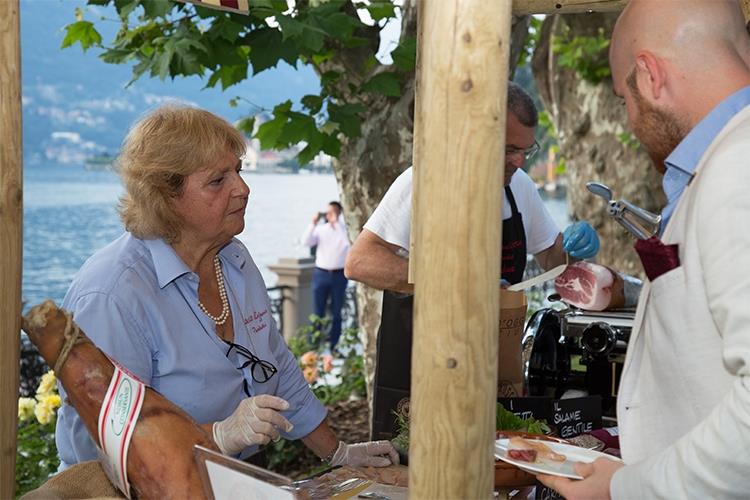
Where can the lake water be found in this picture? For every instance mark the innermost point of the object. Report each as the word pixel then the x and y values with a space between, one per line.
pixel 69 213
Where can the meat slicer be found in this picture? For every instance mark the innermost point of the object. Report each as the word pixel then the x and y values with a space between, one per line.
pixel 569 350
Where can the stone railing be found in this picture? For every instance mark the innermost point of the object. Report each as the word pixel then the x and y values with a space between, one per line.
pixel 292 299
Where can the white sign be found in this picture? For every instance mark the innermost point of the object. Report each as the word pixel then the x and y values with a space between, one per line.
pixel 228 484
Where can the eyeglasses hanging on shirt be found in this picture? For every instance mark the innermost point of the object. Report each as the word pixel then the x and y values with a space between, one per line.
pixel 260 370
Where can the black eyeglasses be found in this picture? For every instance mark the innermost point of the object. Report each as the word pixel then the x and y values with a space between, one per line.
pixel 260 370
pixel 527 153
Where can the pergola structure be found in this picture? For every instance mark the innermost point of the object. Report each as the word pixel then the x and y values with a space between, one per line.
pixel 463 56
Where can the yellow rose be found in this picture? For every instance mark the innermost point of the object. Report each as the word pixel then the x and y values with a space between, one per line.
pixel 25 408
pixel 51 400
pixel 44 412
pixel 48 383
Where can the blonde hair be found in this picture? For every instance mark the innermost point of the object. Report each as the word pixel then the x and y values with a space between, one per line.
pixel 159 152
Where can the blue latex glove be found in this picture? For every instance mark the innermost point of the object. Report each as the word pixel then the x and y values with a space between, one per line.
pixel 580 240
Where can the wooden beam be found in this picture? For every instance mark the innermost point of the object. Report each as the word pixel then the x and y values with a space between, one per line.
pixel 745 5
pixel 524 7
pixel 11 212
pixel 460 132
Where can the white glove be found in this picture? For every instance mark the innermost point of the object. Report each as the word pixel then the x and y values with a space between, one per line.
pixel 255 421
pixel 371 453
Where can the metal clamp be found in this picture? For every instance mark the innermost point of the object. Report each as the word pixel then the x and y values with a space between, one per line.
pixel 639 222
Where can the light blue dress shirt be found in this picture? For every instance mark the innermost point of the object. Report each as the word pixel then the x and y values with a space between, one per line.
pixel 138 302
pixel 681 163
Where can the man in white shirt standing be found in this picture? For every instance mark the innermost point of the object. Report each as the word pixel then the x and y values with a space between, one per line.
pixel 379 255
pixel 328 278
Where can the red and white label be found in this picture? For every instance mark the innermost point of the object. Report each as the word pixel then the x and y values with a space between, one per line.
pixel 117 417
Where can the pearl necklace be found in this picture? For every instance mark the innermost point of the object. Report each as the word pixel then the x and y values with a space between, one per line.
pixel 222 318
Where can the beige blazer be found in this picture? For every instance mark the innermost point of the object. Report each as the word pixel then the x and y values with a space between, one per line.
pixel 684 400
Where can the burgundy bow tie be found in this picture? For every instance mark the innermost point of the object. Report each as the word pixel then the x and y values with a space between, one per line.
pixel 656 257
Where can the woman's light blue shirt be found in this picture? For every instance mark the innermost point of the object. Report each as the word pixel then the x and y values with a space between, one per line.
pixel 138 302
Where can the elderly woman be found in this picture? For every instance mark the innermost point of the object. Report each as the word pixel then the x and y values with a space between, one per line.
pixel 179 302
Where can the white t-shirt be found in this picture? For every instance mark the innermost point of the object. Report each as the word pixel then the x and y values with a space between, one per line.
pixel 391 220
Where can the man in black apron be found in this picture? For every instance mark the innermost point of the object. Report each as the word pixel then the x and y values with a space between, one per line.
pixel 376 257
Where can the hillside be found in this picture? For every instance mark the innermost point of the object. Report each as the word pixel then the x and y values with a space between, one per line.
pixel 75 106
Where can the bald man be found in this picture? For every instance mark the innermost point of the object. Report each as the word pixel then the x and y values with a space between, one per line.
pixel 684 400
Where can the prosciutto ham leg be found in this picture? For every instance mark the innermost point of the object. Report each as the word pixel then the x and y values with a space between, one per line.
pixel 160 461
pixel 590 287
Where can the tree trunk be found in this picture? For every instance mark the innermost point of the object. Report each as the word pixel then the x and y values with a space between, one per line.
pixel 588 118
pixel 368 165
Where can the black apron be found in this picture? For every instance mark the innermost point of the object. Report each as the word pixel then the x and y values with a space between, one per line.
pixel 393 368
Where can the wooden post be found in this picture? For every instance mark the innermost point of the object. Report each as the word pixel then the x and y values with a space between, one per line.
pixel 524 7
pixel 11 204
pixel 460 132
pixel 745 5
pixel 417 141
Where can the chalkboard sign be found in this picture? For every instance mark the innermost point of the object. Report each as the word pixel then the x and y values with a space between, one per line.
pixel 570 417
pixel 525 408
pixel 544 493
pixel 576 416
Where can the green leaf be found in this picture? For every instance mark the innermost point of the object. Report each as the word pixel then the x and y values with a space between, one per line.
pixel 156 8
pixel 381 9
pixel 329 78
pixel 228 76
pixel 320 58
pixel 313 103
pixel 82 32
pixel 307 36
pixel 225 28
pixel 299 127
pixel 260 3
pixel 269 132
pixel 125 7
pixel 307 154
pixel 116 56
pixel 331 145
pixel 347 116
pixel 271 49
pixel 290 27
pixel 223 53
pixel 246 125
pixel 338 25
pixel 386 83
pixel 405 55
pixel 326 8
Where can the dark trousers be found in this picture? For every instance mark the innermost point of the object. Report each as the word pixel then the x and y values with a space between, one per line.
pixel 331 284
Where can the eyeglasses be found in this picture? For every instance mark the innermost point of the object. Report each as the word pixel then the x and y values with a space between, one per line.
pixel 527 153
pixel 260 370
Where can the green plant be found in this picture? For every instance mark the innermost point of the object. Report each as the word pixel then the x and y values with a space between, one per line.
pixel 36 454
pixel 628 140
pixel 292 457
pixel 507 421
pixel 168 39
pixel 401 441
pixel 587 55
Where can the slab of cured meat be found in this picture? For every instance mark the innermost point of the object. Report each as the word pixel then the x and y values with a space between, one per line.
pixel 160 461
pixel 590 287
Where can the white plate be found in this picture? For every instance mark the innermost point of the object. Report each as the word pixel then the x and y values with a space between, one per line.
pixel 565 469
